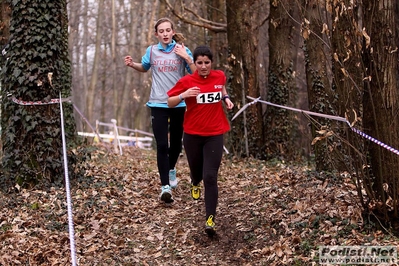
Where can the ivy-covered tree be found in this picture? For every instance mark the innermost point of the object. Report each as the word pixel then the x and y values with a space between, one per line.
pixel 36 68
pixel 280 131
pixel 380 102
pixel 245 19
pixel 320 94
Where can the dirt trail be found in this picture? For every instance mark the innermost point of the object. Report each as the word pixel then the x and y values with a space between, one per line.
pixel 268 214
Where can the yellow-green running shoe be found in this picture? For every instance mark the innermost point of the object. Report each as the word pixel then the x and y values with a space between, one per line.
pixel 195 192
pixel 210 226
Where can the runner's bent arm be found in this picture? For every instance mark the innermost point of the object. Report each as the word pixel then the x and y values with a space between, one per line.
pixel 175 100
pixel 183 52
pixel 137 66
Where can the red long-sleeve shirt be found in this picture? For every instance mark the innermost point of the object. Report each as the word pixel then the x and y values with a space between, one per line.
pixel 205 114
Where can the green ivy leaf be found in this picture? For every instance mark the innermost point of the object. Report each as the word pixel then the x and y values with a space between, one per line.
pixel 11 136
pixel 21 80
pixel 17 72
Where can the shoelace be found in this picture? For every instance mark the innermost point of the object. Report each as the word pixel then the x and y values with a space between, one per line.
pixel 210 222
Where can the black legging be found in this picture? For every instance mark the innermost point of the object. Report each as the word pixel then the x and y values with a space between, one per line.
pixel 204 155
pixel 164 121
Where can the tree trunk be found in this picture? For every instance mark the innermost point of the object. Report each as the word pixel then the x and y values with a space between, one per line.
pixel 243 18
pixel 5 17
pixel 348 148
pixel 91 90
pixel 129 100
pixel 4 22
pixel 218 41
pixel 37 69
pixel 75 57
pixel 117 114
pixel 85 64
pixel 320 95
pixel 280 122
pixel 381 101
pixel 142 83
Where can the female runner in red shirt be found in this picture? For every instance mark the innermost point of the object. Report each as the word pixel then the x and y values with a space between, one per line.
pixel 204 125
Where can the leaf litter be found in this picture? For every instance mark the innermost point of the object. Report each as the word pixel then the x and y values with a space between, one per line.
pixel 268 214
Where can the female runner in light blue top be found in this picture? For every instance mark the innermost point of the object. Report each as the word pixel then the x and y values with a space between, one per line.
pixel 168 62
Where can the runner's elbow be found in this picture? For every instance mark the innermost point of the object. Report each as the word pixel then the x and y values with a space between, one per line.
pixel 170 105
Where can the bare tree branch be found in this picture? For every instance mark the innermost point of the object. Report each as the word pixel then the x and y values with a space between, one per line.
pixel 213 23
pixel 204 23
pixel 263 21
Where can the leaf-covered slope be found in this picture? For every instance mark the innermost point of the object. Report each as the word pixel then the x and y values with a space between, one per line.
pixel 268 214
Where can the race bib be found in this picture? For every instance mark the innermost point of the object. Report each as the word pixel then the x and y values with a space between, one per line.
pixel 210 97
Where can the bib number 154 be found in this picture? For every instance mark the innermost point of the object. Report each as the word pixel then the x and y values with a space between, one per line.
pixel 210 97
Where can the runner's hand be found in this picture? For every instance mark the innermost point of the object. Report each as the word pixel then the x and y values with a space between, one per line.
pixel 128 61
pixel 191 92
pixel 229 104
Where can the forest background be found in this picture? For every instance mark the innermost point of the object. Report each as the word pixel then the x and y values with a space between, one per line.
pixel 335 58
pixel 331 57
